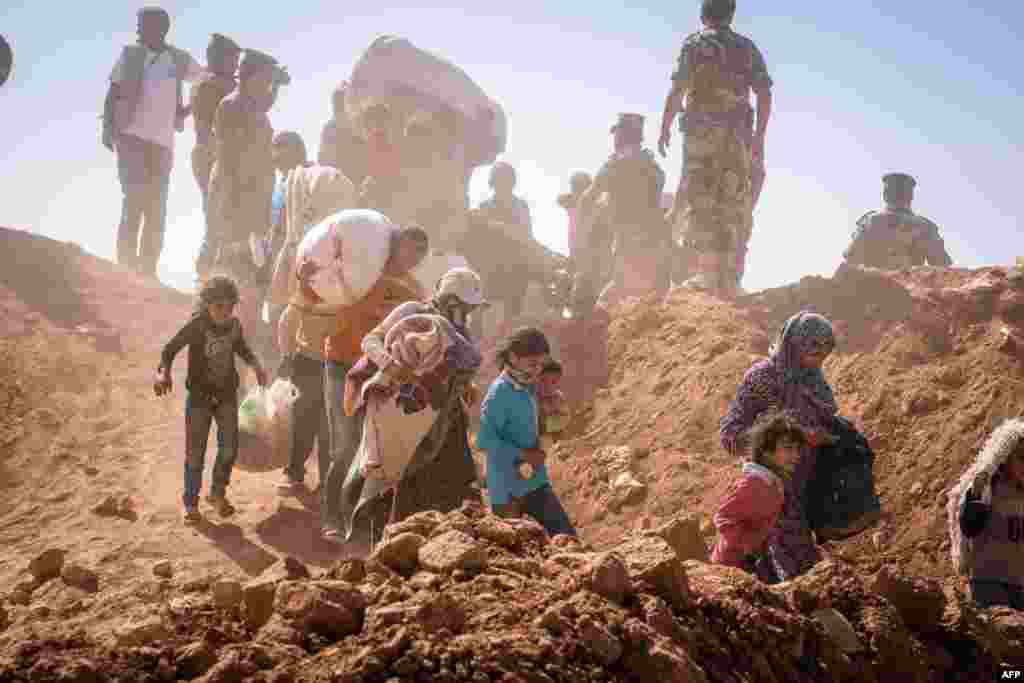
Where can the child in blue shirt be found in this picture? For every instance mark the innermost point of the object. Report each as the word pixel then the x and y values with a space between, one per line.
pixel 509 433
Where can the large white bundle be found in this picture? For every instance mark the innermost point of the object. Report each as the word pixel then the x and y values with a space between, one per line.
pixel 433 267
pixel 394 70
pixel 313 193
pixel 350 249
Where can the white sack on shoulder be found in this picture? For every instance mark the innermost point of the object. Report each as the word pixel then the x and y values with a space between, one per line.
pixel 351 249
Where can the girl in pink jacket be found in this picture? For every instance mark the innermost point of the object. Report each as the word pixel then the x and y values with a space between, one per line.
pixel 750 511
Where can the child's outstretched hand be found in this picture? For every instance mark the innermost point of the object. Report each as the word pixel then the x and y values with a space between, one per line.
pixel 162 384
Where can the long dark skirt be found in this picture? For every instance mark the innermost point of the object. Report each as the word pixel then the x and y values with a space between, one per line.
pixel 440 477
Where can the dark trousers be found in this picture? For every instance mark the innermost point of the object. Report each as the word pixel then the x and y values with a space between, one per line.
pixel 997 594
pixel 309 419
pixel 199 416
pixel 543 505
pixel 345 434
pixel 144 169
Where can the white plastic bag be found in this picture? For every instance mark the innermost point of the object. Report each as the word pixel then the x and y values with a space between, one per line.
pixel 281 396
pixel 253 413
pixel 350 249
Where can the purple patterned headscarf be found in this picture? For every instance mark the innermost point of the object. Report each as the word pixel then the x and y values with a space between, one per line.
pixel 804 332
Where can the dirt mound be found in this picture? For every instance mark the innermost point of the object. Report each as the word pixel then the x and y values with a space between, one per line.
pixel 928 362
pixel 468 597
pixel 101 581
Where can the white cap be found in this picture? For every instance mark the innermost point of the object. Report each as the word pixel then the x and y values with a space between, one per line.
pixel 462 283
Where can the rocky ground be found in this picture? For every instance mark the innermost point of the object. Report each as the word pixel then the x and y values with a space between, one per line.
pixel 100 581
pixel 469 597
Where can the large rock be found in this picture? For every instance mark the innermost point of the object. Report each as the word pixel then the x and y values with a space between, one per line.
pixel 839 630
pixel 421 524
pixel 400 552
pixel 258 597
pixel 684 535
pixel 138 632
pixel 652 563
pixel 332 609
pixel 286 569
pixel 163 569
pixel 529 531
pixel 47 565
pixel 352 570
pixel 653 658
pixel 80 577
pixel 610 578
pixel 451 551
pixel 498 532
pixel 920 603
pixel 227 594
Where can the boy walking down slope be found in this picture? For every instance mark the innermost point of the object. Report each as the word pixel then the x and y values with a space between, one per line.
pixel 213 336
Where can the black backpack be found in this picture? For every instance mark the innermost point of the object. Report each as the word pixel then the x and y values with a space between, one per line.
pixel 840 496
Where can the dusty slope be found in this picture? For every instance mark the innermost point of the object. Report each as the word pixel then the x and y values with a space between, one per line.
pixel 80 427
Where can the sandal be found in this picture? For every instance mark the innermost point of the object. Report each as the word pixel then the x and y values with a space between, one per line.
pixel 333 536
pixel 192 515
pixel 221 504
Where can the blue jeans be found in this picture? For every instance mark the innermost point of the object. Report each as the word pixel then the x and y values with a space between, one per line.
pixel 144 169
pixel 345 434
pixel 543 505
pixel 199 416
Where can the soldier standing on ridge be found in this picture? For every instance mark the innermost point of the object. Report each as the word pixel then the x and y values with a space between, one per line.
pixel 634 182
pixel 717 70
pixel 222 57
pixel 896 237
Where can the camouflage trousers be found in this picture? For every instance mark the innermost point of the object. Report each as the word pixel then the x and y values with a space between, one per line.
pixel 715 189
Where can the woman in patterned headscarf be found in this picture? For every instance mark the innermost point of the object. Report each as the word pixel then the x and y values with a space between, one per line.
pixel 791 378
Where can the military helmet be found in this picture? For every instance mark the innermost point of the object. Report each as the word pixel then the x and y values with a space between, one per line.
pixel 721 10
pixel 221 44
pixel 899 182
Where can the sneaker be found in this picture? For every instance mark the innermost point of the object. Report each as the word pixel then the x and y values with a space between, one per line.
pixel 222 506
pixel 192 515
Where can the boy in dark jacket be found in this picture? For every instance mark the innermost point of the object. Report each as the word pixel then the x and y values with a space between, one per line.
pixel 213 336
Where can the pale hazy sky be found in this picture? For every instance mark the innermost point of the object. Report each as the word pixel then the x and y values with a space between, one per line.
pixel 933 89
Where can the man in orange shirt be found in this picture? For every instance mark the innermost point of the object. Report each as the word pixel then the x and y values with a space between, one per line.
pixel 343 348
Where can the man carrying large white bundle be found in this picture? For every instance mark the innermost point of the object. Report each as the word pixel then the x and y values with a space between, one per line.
pixel 311 194
pixel 336 265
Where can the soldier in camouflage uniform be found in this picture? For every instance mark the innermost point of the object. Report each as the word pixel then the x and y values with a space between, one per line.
pixel 895 237
pixel 717 70
pixel 634 182
pixel 222 57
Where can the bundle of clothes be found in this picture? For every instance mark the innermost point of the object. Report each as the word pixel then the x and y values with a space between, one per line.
pixel 399 414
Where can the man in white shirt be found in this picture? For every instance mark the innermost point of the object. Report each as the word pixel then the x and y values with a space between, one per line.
pixel 142 111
